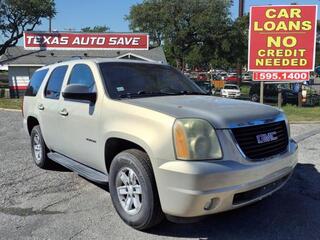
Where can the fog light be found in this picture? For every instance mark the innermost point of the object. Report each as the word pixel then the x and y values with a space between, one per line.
pixel 211 204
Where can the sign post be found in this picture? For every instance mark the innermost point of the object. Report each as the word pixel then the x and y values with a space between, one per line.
pixel 282 42
pixel 261 92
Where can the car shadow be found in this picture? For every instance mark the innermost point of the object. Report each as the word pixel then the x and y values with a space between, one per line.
pixel 291 213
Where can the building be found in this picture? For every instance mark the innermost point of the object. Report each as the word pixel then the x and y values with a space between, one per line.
pixel 22 63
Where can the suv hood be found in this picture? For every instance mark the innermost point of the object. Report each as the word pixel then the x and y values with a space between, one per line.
pixel 221 113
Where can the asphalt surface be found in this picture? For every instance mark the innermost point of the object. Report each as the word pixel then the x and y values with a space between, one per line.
pixel 58 204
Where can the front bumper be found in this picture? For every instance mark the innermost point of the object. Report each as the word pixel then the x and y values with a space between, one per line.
pixel 197 188
pixel 231 95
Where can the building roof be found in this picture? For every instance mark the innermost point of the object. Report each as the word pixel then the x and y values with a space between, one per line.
pixel 19 56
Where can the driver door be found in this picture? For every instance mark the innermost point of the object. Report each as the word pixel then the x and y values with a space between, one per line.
pixel 79 120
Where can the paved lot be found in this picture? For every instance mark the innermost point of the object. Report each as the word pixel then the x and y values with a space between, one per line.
pixel 38 204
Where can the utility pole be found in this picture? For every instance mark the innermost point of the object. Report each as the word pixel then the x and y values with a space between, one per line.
pixel 50 23
pixel 241 7
pixel 241 10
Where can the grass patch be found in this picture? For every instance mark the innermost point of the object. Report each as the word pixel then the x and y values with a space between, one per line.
pixel 302 114
pixel 245 89
pixel 10 103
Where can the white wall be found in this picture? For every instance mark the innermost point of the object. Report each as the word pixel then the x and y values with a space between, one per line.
pixel 19 77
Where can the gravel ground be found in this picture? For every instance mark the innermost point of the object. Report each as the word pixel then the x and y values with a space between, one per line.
pixel 38 204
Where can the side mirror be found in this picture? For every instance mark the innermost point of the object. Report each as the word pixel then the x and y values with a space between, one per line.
pixel 79 92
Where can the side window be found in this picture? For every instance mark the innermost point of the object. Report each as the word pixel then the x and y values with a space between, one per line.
pixel 55 81
pixel 35 82
pixel 82 74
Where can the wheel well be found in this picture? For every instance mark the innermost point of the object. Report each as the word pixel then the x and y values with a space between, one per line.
pixel 31 122
pixel 113 146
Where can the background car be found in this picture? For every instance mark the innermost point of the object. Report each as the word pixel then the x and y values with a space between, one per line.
pixel 223 75
pixel 230 91
pixel 246 77
pixel 202 77
pixel 205 86
pixel 270 93
pixel 232 78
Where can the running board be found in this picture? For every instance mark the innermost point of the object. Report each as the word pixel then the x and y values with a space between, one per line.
pixel 79 168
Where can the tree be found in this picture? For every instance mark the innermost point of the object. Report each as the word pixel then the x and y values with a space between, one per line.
pixel 187 29
pixel 318 44
pixel 98 29
pixel 148 17
pixel 17 16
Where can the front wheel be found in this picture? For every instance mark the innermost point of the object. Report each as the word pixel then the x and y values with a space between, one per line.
pixel 39 149
pixel 133 189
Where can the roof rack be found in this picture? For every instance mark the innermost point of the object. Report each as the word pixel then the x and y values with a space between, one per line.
pixel 69 59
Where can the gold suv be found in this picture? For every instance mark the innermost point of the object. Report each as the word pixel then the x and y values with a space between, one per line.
pixel 164 147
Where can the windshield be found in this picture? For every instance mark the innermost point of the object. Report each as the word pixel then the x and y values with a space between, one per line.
pixel 231 87
pixel 145 80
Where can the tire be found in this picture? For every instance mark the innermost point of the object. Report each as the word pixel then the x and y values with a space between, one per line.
pixel 39 149
pixel 143 210
pixel 254 98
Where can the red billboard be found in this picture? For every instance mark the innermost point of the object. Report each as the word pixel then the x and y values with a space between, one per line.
pixel 93 41
pixel 282 38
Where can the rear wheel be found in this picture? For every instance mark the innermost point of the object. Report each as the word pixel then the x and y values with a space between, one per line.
pixel 39 148
pixel 133 189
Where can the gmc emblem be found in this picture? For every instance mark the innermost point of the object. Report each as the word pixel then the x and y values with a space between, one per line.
pixel 266 137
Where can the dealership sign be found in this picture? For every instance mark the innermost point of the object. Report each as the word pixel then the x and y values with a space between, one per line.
pixel 93 41
pixel 282 41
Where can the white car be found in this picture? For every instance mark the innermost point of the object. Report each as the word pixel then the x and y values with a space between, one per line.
pixel 230 91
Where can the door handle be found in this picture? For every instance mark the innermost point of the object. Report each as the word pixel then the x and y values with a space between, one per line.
pixel 41 107
pixel 64 112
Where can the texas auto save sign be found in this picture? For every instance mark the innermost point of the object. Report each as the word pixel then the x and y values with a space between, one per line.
pixel 282 42
pixel 94 41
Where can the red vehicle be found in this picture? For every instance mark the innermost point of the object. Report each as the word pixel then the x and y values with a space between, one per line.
pixel 202 77
pixel 232 78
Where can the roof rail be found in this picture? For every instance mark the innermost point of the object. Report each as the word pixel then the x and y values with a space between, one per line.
pixel 69 59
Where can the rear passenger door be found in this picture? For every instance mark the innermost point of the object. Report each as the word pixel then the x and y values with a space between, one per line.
pixel 48 106
pixel 79 123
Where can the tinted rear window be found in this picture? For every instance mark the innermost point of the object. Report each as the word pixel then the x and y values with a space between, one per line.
pixel 35 83
pixel 55 81
pixel 231 87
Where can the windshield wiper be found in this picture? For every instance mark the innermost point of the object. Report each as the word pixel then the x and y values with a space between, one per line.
pixel 192 93
pixel 143 93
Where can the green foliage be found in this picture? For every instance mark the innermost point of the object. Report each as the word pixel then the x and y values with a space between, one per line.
pixel 96 29
pixel 318 44
pixel 148 17
pixel 196 32
pixel 17 16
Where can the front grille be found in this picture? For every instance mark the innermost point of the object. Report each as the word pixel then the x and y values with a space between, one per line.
pixel 250 195
pixel 262 141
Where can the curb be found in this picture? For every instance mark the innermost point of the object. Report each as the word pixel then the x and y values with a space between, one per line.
pixel 10 110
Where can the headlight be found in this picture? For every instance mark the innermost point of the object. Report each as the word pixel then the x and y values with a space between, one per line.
pixel 195 139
